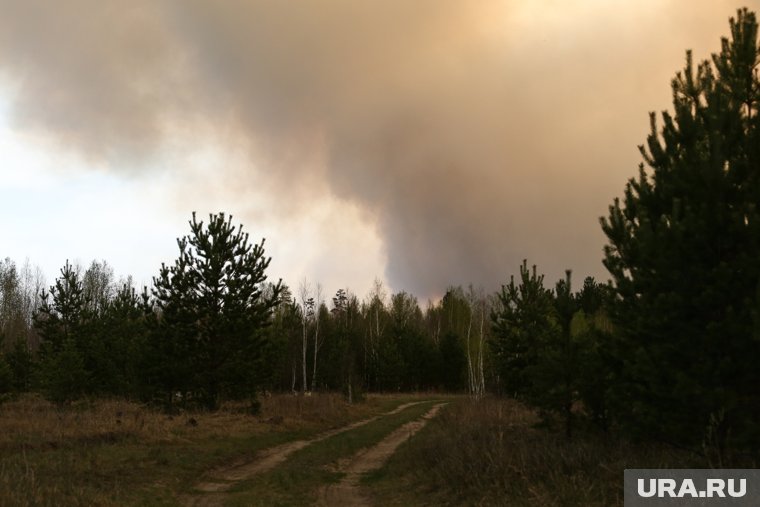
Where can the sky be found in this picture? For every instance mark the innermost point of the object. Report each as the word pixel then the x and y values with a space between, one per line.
pixel 422 143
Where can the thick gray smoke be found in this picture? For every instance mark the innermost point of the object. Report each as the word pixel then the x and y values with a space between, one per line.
pixel 475 134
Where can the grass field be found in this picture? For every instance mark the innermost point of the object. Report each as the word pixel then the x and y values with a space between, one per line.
pixel 491 453
pixel 297 482
pixel 474 453
pixel 121 453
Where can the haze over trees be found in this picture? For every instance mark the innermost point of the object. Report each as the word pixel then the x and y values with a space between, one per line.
pixel 667 350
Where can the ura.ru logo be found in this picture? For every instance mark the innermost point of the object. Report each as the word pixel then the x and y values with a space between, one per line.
pixel 715 488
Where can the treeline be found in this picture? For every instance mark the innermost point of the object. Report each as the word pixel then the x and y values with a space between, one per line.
pixel 380 343
pixel 89 334
pixel 212 327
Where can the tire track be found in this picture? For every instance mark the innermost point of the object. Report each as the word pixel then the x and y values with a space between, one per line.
pixel 212 490
pixel 347 491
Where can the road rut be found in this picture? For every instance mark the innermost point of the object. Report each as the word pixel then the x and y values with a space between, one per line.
pixel 212 490
pixel 347 492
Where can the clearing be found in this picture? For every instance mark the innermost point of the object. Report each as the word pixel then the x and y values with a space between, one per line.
pixel 115 453
pixel 212 490
pixel 303 471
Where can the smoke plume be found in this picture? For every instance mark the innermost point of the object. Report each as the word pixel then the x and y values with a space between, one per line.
pixel 473 134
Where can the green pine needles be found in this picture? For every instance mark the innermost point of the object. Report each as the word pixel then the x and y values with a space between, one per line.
pixel 684 253
pixel 212 308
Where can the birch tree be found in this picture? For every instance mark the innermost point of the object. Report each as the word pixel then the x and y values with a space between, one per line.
pixel 318 304
pixel 476 330
pixel 307 315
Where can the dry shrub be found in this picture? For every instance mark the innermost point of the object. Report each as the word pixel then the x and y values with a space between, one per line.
pixel 489 452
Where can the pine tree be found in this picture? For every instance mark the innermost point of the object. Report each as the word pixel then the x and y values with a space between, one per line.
pixel 212 310
pixel 560 369
pixel 64 317
pixel 591 330
pixel 683 251
pixel 540 355
pixel 524 325
pixel 63 326
pixel 121 344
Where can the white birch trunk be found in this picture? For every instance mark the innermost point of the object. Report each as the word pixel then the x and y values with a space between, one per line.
pixel 305 343
pixel 481 379
pixel 470 377
pixel 316 349
pixel 304 290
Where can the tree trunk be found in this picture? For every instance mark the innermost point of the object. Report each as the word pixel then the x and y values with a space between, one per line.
pixel 316 349
pixel 305 344
pixel 481 379
pixel 470 377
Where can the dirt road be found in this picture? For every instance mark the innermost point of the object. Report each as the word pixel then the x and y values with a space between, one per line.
pixel 212 490
pixel 347 492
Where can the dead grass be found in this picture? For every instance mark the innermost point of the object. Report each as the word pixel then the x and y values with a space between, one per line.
pixel 115 452
pixel 319 407
pixel 33 423
pixel 490 453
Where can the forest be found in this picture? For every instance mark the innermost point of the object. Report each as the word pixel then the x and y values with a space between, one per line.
pixel 663 352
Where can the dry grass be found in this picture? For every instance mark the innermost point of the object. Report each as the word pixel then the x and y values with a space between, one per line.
pixel 115 452
pixel 490 453
pixel 33 423
pixel 319 407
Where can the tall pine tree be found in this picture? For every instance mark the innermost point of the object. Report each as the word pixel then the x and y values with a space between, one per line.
pixel 684 250
pixel 212 309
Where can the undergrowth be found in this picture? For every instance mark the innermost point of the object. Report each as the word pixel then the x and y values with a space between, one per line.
pixel 491 452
